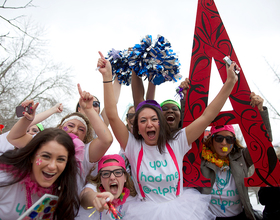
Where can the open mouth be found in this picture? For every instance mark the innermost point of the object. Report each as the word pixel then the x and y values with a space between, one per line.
pixel 170 118
pixel 151 134
pixel 48 175
pixel 114 188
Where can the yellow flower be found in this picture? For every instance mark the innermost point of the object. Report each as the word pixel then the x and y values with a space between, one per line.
pixel 219 163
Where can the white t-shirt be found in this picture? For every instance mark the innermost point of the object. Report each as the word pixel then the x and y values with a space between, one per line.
pixel 225 200
pixel 5 144
pixel 13 199
pixel 105 215
pixel 87 165
pixel 158 174
pixel 93 131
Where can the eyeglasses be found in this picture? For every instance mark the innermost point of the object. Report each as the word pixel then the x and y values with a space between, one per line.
pixel 107 173
pixel 130 115
pixel 220 138
pixel 173 108
pixel 96 104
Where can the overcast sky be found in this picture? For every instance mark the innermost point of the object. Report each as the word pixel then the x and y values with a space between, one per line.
pixel 77 30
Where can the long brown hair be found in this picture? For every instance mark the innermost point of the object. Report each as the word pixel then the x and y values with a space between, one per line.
pixel 65 187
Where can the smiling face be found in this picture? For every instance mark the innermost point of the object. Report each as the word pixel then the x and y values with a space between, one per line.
pixel 48 163
pixel 76 127
pixel 113 184
pixel 148 126
pixel 218 147
pixel 172 115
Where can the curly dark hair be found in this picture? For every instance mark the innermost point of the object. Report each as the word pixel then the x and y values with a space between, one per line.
pixel 19 163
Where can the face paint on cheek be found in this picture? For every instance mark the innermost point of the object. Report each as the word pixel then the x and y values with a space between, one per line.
pixel 38 161
pixel 65 128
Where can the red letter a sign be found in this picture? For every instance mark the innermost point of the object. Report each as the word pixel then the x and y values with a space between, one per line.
pixel 211 41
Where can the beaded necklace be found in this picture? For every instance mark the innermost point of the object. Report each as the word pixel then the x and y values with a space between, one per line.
pixel 208 155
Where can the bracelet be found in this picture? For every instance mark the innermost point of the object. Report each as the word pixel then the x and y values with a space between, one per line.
pixel 108 81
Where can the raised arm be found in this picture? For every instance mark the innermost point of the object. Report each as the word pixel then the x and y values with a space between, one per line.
pixel 185 86
pixel 256 100
pixel 18 136
pixel 197 127
pixel 118 127
pixel 117 90
pixel 100 145
pixel 58 108
pixel 138 90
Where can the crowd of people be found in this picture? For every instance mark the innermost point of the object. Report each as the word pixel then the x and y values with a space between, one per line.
pixel 145 180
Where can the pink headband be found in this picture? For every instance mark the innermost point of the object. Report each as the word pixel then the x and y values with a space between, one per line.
pixel 216 129
pixel 116 157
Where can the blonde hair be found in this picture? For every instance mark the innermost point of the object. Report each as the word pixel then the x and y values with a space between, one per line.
pixel 89 135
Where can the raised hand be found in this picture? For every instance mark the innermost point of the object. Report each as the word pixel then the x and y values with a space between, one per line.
pixel 31 116
pixel 231 75
pixel 185 86
pixel 104 67
pixel 256 100
pixel 58 108
pixel 86 99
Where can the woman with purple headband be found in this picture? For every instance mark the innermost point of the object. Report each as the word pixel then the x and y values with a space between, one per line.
pixel 156 154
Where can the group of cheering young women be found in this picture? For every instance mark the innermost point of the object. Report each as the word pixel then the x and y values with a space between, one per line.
pixel 147 183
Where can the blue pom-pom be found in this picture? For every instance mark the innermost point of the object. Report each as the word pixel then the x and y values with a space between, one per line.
pixel 157 61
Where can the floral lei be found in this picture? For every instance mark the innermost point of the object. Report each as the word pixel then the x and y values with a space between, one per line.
pixel 122 198
pixel 208 155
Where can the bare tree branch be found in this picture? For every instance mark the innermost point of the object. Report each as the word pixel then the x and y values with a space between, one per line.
pixel 269 103
pixel 29 4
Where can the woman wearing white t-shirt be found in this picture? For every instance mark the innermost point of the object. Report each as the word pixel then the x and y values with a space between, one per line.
pixel 113 182
pixel 226 162
pixel 156 154
pixel 46 164
pixel 78 124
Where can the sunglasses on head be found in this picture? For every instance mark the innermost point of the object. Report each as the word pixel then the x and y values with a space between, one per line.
pixel 107 173
pixel 96 104
pixel 173 108
pixel 130 115
pixel 220 138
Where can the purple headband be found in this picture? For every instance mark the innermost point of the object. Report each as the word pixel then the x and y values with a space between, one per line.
pixel 148 102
